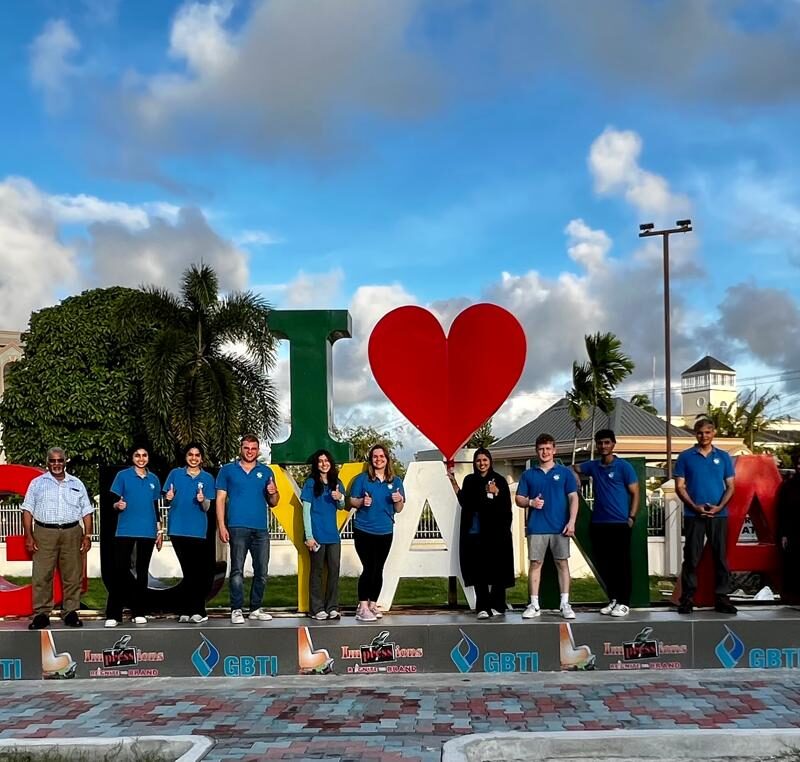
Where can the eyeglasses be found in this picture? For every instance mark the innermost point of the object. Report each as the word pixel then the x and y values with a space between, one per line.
pixel 55 460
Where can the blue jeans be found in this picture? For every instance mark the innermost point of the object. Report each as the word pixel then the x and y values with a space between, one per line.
pixel 242 540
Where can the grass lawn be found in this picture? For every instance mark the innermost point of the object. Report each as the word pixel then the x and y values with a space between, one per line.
pixel 412 591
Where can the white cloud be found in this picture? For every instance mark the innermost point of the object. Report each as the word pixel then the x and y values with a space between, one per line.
pixel 257 238
pixel 587 247
pixel 51 65
pixel 314 289
pixel 84 209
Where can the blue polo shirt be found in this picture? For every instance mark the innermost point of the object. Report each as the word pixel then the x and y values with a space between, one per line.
pixel 323 512
pixel 705 476
pixel 247 501
pixel 611 496
pixel 140 493
pixel 186 516
pixel 379 517
pixel 554 486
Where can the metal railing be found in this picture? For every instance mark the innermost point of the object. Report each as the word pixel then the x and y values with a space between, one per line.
pixel 655 512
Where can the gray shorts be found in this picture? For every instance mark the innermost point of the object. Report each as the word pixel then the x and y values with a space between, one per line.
pixel 539 543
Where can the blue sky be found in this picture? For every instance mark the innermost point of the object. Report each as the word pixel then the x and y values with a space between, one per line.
pixel 365 155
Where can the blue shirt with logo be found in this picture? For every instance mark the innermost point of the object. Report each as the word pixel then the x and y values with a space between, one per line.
pixel 140 493
pixel 247 500
pixel 379 517
pixel 611 496
pixel 186 516
pixel 705 476
pixel 323 512
pixel 554 486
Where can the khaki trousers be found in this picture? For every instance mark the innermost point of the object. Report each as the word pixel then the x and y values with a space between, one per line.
pixel 58 549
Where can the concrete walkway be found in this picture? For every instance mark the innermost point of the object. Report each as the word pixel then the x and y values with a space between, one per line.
pixel 393 717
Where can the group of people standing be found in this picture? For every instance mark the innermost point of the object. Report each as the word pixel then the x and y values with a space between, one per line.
pixel 57 522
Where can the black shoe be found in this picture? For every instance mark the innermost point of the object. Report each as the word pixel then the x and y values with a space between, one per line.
pixel 724 606
pixel 686 607
pixel 39 622
pixel 72 620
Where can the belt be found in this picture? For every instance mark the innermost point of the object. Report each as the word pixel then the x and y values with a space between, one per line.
pixel 68 525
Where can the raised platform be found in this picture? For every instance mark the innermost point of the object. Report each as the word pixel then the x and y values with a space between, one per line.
pixel 649 639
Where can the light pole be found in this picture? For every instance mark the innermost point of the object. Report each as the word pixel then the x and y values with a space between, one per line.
pixel 647 230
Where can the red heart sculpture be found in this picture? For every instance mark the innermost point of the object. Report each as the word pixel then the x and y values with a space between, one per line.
pixel 447 386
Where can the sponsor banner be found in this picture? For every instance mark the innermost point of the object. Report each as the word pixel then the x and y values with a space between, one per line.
pixel 494 647
pixel 647 644
pixel 366 649
pixel 736 642
pixel 19 654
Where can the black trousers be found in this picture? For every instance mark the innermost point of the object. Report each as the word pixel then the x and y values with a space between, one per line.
pixel 325 562
pixel 611 547
pixel 372 550
pixel 124 589
pixel 488 597
pixel 695 532
pixel 197 574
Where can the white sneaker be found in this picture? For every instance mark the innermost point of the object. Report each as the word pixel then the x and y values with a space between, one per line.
pixel 139 620
pixel 373 607
pixel 606 610
pixel 111 622
pixel 198 619
pixel 567 612
pixel 260 614
pixel 621 610
pixel 531 612
pixel 334 614
pixel 237 617
pixel 364 614
pixel 184 619
pixel 483 615
pixel 321 615
pixel 495 612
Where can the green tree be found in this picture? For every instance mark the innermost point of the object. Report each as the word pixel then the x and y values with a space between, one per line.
pixel 579 400
pixel 195 387
pixel 643 401
pixel 483 436
pixel 608 366
pixel 746 418
pixel 75 387
pixel 363 437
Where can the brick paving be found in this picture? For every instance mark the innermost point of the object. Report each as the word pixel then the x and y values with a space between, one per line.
pixel 400 717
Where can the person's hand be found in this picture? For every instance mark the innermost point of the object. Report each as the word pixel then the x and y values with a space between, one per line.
pixel 336 496
pixel 784 542
pixel 538 502
pixel 491 487
pixel 396 496
pixel 367 500
pixel 121 505
pixel 30 544
pixel 86 543
pixel 170 492
pixel 311 543
pixel 271 488
pixel 200 495
pixel 569 529
pixel 631 521
pixel 224 534
pixel 159 541
pixel 451 473
pixel 711 509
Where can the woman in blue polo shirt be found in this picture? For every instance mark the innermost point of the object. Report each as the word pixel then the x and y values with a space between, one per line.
pixel 138 528
pixel 189 491
pixel 376 495
pixel 322 497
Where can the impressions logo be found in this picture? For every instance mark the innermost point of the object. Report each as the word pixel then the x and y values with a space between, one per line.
pixel 205 657
pixel 730 649
pixel 465 661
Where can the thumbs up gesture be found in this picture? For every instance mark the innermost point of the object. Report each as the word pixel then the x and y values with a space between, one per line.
pixel 491 487
pixel 367 500
pixel 121 505
pixel 170 492
pixel 538 502
pixel 271 488
pixel 396 496
pixel 336 496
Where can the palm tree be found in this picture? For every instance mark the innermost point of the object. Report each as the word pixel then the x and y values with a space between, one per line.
pixel 579 400
pixel 195 385
pixel 643 401
pixel 483 436
pixel 746 417
pixel 608 367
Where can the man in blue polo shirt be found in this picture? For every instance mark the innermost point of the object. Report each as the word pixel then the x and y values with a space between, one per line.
pixel 704 481
pixel 616 501
pixel 549 493
pixel 248 487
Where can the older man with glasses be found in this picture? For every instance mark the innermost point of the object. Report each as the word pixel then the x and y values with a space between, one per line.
pixel 57 519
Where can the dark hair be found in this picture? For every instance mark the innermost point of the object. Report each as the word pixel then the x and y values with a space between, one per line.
pixel 545 439
pixel 700 422
pixel 249 438
pixel 138 446
pixel 333 474
pixel 194 446
pixel 482 451
pixel 605 434
pixel 388 473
